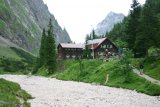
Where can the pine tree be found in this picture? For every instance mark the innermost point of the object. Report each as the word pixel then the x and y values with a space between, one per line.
pixel 50 50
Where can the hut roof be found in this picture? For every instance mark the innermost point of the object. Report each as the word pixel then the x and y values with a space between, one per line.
pixel 71 45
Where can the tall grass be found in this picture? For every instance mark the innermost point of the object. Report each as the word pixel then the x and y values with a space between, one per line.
pixel 10 93
pixel 119 75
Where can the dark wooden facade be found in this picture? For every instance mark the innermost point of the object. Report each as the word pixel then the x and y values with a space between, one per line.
pixel 101 47
pixel 70 51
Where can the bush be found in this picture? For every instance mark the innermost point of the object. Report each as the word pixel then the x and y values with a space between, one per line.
pixel 11 65
pixel 154 51
pixel 121 69
pixel 151 59
pixel 4 11
pixel 2 24
pixel 27 57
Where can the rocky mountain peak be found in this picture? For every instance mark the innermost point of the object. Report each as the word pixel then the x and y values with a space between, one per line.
pixel 108 23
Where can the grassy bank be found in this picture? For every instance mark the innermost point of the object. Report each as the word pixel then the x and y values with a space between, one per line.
pixel 11 95
pixel 15 61
pixel 96 71
pixel 151 66
pixel 61 66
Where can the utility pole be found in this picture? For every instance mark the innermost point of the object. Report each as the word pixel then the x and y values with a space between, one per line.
pixel 92 47
pixel 92 43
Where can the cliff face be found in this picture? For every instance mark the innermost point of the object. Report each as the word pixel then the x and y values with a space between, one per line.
pixel 108 23
pixel 22 21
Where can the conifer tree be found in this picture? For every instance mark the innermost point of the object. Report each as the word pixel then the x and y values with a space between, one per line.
pixel 42 51
pixel 94 36
pixel 41 60
pixel 133 24
pixel 86 52
pixel 148 32
pixel 50 50
pixel 47 52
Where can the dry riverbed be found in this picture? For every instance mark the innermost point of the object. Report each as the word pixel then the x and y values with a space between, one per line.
pixel 50 92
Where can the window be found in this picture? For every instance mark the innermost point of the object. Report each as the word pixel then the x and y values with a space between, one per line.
pixel 67 56
pixel 108 46
pixel 104 46
pixel 73 56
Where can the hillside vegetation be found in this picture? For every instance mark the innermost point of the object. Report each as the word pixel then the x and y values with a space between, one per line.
pixel 119 75
pixel 11 95
pixel 22 21
pixel 140 29
pixel 151 66
pixel 14 60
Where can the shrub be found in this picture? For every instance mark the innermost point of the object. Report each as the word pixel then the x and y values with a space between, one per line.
pixel 11 65
pixel 121 69
pixel 27 57
pixel 4 11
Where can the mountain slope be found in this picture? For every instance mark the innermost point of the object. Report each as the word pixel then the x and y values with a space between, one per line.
pixel 22 21
pixel 108 23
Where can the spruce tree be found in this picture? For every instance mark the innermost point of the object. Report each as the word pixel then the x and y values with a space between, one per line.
pixel 42 51
pixel 41 60
pixel 50 50
pixel 94 36
pixel 149 28
pixel 86 52
pixel 133 24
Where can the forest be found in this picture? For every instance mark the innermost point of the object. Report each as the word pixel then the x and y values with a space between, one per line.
pixel 140 30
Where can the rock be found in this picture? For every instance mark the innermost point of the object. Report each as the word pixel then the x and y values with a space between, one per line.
pixel 108 23
pixel 23 22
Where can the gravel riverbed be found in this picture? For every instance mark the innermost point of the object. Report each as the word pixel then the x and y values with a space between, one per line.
pixel 50 92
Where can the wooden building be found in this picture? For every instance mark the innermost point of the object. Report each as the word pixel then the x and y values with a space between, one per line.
pixel 70 51
pixel 101 47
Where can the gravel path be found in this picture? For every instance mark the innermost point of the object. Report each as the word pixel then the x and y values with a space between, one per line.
pixel 146 77
pixel 56 93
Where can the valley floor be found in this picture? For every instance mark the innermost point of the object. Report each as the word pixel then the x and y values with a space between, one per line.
pixel 50 92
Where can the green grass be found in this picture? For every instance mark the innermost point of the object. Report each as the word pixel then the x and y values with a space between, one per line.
pixel 15 61
pixel 136 62
pixel 5 11
pixel 10 93
pixel 69 63
pixel 42 72
pixel 3 8
pixel 152 67
pixel 2 24
pixel 8 53
pixel 26 56
pixel 74 72
pixel 96 71
pixel 62 65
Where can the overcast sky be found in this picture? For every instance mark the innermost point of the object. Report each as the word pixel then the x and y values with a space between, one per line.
pixel 79 17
